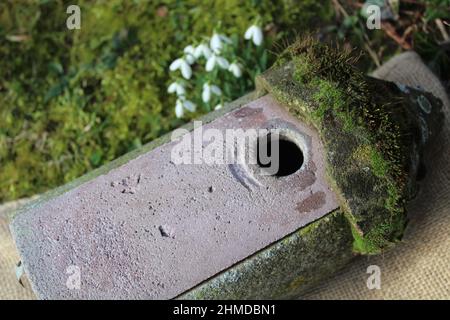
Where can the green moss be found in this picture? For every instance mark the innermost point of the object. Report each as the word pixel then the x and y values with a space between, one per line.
pixel 378 238
pixel 361 244
pixel 379 166
pixel 369 129
pixel 326 96
pixel 330 96
pixel 363 154
pixel 302 71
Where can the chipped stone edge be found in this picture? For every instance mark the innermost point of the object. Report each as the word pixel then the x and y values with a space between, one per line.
pixel 286 268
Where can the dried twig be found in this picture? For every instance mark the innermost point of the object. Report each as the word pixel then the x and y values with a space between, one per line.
pixel 340 8
pixel 441 28
pixel 372 54
pixel 391 33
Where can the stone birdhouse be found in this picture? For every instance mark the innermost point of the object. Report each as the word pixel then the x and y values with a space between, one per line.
pixel 157 224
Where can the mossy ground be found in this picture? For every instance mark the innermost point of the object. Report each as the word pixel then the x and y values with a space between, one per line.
pixel 71 101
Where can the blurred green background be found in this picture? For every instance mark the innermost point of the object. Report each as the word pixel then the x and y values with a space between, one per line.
pixel 71 100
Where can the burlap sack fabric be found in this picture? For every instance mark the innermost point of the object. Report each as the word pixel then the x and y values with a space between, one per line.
pixel 9 285
pixel 417 268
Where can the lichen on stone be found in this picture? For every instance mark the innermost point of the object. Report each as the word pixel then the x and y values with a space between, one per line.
pixel 374 134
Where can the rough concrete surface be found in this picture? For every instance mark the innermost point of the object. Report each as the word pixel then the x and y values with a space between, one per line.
pixel 153 229
pixel 288 267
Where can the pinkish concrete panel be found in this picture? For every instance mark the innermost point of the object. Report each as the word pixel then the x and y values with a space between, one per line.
pixel 151 229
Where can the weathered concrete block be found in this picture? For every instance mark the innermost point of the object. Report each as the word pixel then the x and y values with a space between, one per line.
pixel 146 226
pixel 151 228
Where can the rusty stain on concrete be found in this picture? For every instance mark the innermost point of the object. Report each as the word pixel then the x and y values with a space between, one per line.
pixel 247 112
pixel 306 179
pixel 313 202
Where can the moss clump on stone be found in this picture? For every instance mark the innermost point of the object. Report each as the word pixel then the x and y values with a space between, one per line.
pixel 373 131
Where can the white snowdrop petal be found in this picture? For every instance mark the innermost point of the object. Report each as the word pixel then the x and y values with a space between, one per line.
pixel 189 105
pixel 235 69
pixel 219 106
pixel 225 39
pixel 206 94
pixel 190 58
pixel 216 51
pixel 186 70
pixel 179 112
pixel 175 65
pixel 180 90
pixel 215 38
pixel 216 43
pixel 249 33
pixel 210 63
pixel 189 49
pixel 172 88
pixel 206 52
pixel 216 90
pixel 223 63
pixel 198 51
pixel 257 36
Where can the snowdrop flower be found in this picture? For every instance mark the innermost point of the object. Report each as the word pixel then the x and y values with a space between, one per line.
pixel 179 112
pixel 182 104
pixel 208 90
pixel 235 69
pixel 183 65
pixel 189 53
pixel 217 41
pixel 177 88
pixel 255 34
pixel 202 50
pixel 216 60
pixel 219 106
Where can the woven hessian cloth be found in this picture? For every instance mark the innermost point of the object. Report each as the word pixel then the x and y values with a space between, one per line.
pixel 9 285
